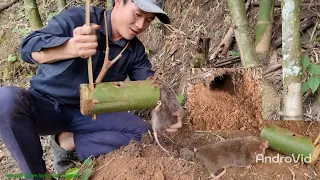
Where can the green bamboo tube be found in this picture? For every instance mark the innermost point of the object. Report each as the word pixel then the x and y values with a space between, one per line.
pixel 107 97
pixel 288 143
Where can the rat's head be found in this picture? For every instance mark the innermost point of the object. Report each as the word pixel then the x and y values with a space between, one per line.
pixel 132 17
pixel 257 145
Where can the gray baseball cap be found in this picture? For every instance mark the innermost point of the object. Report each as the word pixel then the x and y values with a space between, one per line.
pixel 153 6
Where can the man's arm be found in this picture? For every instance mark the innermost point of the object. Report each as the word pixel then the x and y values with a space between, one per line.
pixel 63 38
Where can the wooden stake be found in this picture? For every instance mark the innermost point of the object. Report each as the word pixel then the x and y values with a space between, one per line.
pixel 107 63
pixel 90 73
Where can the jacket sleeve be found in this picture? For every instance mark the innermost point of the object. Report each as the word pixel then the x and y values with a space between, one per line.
pixel 58 31
pixel 141 69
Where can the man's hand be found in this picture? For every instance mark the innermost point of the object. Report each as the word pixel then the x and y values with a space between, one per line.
pixel 85 41
pixel 174 127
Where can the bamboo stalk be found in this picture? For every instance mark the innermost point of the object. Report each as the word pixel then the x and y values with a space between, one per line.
pixel 5 6
pixel 33 15
pixel 288 143
pixel 291 67
pixel 243 33
pixel 264 28
pixel 108 97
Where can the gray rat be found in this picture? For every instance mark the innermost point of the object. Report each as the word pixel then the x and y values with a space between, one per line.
pixel 161 120
pixel 168 114
pixel 239 152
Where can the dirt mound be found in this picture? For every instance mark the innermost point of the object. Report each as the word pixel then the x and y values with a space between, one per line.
pixel 142 161
pixel 230 100
pixel 145 160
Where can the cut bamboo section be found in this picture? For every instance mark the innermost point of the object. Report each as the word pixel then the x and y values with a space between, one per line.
pixel 108 97
pixel 290 144
pixel 264 28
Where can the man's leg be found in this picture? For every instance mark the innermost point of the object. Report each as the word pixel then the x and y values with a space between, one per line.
pixel 22 117
pixel 107 133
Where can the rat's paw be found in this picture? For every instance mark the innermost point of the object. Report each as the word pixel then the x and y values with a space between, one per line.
pixel 248 167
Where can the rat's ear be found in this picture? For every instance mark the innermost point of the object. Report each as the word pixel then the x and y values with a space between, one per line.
pixel 264 145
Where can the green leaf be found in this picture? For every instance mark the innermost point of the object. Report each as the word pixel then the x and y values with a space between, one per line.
pixel 12 58
pixel 314 69
pixel 88 162
pixel 147 51
pixel 234 53
pixel 305 87
pixel 313 83
pixel 180 98
pixel 87 173
pixel 217 33
pixel 305 61
pixel 71 173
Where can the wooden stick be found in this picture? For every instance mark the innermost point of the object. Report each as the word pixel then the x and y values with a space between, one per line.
pixel 317 140
pixel 184 18
pixel 5 6
pixel 272 68
pixel 90 73
pixel 107 63
pixel 304 25
pixel 227 62
pixel 224 44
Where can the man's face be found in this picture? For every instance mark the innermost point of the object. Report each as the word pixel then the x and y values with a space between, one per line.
pixel 130 19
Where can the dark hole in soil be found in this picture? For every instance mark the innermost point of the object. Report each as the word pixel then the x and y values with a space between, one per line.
pixel 223 83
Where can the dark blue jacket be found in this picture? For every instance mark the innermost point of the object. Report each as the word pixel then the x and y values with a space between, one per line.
pixel 60 81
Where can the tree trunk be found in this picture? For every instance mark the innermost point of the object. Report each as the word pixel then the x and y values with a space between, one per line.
pixel 243 33
pixel 62 5
pixel 288 143
pixel 33 15
pixel 291 67
pixel 107 97
pixel 264 28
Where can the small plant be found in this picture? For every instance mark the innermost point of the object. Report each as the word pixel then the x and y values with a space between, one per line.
pixel 180 98
pixel 234 53
pixel 12 58
pixel 83 172
pixel 22 31
pixel 312 72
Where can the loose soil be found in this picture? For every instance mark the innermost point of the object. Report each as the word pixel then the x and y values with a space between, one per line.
pixel 145 160
pixel 232 101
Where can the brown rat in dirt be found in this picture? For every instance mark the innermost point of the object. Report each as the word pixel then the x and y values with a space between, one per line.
pixel 161 120
pixel 239 152
pixel 168 113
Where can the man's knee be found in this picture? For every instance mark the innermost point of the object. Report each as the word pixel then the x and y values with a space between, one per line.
pixel 140 129
pixel 13 100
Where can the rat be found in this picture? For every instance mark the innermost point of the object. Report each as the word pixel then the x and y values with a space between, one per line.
pixel 168 114
pixel 239 152
pixel 161 120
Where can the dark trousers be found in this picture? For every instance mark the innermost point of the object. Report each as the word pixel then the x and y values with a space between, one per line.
pixel 25 115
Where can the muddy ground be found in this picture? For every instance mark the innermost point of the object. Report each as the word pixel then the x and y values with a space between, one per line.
pixel 174 46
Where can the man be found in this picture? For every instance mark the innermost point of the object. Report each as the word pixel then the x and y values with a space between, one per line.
pixel 51 105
